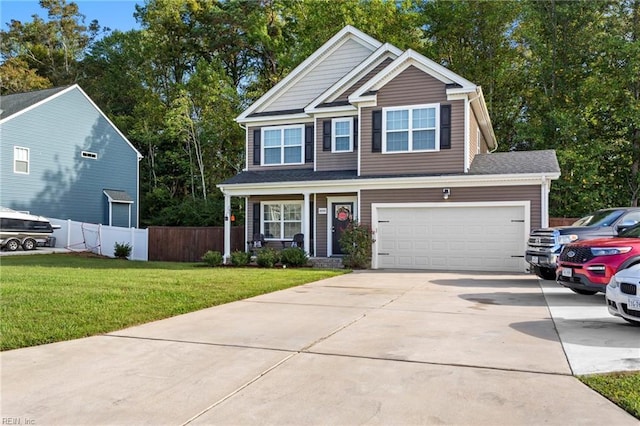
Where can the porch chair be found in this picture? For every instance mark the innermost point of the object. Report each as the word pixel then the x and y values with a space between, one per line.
pixel 257 242
pixel 298 241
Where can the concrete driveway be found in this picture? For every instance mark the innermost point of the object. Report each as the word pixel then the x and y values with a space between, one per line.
pixel 363 348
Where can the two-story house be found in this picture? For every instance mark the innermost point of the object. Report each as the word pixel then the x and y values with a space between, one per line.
pixel 364 131
pixel 61 157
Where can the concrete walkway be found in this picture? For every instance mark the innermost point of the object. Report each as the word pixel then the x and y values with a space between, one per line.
pixel 363 348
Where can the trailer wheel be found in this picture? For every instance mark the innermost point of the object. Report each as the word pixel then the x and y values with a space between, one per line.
pixel 29 244
pixel 12 244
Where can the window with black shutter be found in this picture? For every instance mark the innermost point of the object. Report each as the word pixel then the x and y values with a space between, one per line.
pixel 308 144
pixel 445 126
pixel 256 147
pixel 376 131
pixel 326 135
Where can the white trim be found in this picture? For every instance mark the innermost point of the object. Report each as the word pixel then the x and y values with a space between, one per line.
pixel 330 201
pixel 412 58
pixel 274 120
pixel 282 145
pixel 526 204
pixel 17 148
pixel 334 121
pixel 467 128
pixel 347 33
pixel 359 141
pixel 409 130
pixel 282 221
pixel 353 185
pixel 384 52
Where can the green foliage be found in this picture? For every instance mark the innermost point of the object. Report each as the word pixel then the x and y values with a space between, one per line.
pixel 212 258
pixel 122 250
pixel 240 258
pixel 356 243
pixel 267 257
pixel 621 388
pixel 293 256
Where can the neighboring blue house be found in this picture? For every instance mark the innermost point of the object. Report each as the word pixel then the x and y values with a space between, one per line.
pixel 61 157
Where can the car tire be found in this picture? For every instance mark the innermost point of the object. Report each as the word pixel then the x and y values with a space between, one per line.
pixel 29 244
pixel 12 245
pixel 545 273
pixel 583 292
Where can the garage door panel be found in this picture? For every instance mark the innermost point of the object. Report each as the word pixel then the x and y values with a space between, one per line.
pixel 488 238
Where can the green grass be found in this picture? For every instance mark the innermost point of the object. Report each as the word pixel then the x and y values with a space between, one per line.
pixel 55 297
pixel 623 389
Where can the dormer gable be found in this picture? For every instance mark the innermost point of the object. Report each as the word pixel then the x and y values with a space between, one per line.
pixel 320 71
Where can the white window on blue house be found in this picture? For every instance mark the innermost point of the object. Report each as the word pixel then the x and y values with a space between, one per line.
pixel 409 129
pixel 281 220
pixel 342 135
pixel 282 145
pixel 20 160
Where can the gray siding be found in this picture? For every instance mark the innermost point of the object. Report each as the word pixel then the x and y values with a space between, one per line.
pixel 414 87
pixel 62 184
pixel 258 167
pixel 469 194
pixel 327 72
pixel 327 160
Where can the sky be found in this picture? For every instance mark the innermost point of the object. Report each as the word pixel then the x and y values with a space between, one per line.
pixel 115 14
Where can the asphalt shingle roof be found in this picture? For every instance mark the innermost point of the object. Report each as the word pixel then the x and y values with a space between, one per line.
pixel 515 162
pixel 11 104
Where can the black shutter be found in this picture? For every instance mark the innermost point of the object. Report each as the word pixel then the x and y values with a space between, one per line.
pixel 326 135
pixel 376 131
pixel 355 132
pixel 445 126
pixel 256 218
pixel 256 147
pixel 308 144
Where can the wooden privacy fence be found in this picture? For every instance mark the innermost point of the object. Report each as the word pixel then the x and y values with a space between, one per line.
pixel 188 244
pixel 561 221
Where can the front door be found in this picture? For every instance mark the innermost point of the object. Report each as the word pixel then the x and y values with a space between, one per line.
pixel 342 216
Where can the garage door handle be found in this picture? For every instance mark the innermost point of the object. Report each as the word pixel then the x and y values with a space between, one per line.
pixel 384 221
pixel 518 256
pixel 383 254
pixel 517 220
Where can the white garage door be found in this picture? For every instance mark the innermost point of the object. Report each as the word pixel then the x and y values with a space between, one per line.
pixel 458 238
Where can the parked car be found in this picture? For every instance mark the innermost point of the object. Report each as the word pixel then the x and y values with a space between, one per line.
pixel 586 267
pixel 544 245
pixel 623 294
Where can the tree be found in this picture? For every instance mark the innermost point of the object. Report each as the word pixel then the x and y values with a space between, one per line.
pixel 52 49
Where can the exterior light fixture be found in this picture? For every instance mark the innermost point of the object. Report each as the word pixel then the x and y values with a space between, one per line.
pixel 446 192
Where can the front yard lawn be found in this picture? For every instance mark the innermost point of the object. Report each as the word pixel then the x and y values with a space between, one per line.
pixel 622 389
pixel 54 297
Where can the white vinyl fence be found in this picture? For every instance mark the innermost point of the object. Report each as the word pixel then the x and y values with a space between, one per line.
pixel 100 239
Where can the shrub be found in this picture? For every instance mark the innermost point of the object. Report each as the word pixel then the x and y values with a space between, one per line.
pixel 122 250
pixel 293 256
pixel 356 241
pixel 240 258
pixel 267 258
pixel 212 258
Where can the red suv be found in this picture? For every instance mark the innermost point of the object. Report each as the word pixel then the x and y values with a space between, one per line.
pixel 587 266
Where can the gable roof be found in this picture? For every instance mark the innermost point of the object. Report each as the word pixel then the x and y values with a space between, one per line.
pixel 20 103
pixel 348 33
pixel 11 104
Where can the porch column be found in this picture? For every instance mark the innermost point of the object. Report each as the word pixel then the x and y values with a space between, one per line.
pixel 227 228
pixel 306 228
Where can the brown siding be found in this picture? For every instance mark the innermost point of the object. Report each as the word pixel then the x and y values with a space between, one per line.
pixel 468 194
pixel 257 167
pixel 413 87
pixel 188 244
pixel 363 80
pixel 327 160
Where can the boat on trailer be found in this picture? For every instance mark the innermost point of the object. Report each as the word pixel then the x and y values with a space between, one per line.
pixel 24 230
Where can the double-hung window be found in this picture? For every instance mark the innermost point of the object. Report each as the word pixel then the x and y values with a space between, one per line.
pixel 281 220
pixel 342 134
pixel 282 145
pixel 20 160
pixel 407 129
